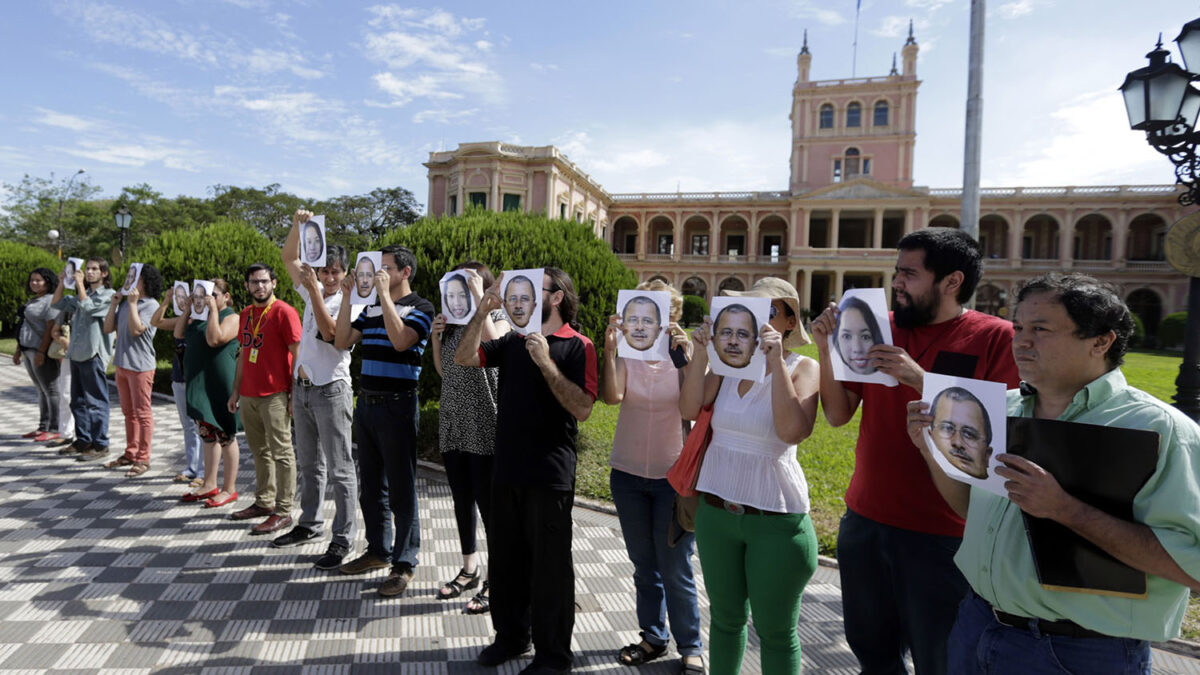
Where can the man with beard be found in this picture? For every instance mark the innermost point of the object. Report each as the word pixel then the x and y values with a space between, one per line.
pixel 896 542
pixel 269 334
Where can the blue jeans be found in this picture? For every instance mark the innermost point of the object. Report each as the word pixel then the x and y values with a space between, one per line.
pixel 900 591
pixel 385 430
pixel 980 644
pixel 322 418
pixel 191 435
pixel 89 402
pixel 662 575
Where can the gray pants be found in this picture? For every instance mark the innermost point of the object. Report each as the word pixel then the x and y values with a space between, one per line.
pixel 45 380
pixel 322 415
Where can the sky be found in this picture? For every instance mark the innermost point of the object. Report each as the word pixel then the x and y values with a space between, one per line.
pixel 339 97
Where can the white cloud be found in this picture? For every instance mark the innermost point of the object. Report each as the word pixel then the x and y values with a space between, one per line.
pixel 424 86
pixel 543 67
pixel 805 9
pixel 53 118
pixel 443 116
pixel 928 5
pixel 437 20
pixel 1013 10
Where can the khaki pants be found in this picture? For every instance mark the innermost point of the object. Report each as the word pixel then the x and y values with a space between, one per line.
pixel 269 434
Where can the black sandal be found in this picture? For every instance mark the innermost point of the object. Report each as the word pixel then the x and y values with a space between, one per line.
pixel 456 589
pixel 636 654
pixel 482 606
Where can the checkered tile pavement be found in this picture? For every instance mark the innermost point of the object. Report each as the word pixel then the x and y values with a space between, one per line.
pixel 103 574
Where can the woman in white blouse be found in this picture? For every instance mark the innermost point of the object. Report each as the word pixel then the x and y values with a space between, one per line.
pixel 757 545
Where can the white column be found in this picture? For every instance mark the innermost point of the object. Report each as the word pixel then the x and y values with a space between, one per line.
pixel 835 228
pixel 877 233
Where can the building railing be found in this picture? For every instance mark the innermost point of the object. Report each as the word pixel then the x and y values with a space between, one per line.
pixel 1148 266
pixel 698 196
pixel 1063 191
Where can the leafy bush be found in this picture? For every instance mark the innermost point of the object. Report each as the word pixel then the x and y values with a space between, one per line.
pixel 509 241
pixel 1139 332
pixel 16 262
pixel 1172 329
pixel 694 310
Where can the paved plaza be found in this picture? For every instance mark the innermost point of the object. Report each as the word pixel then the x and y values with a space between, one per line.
pixel 104 574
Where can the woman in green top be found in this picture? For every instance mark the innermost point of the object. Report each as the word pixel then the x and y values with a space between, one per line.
pixel 209 364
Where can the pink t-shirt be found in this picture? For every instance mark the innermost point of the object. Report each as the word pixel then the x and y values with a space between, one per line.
pixel 649 433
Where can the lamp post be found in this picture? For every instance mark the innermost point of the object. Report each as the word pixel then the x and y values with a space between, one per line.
pixel 123 218
pixel 1162 101
pixel 58 218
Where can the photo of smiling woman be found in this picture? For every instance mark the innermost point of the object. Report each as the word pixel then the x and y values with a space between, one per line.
pixel 857 331
pixel 457 304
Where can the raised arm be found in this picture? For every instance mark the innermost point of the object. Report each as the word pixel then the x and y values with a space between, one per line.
pixel 838 402
pixel 793 395
pixel 219 331
pixel 956 493
pixel 326 323
pixel 699 386
pixel 291 246
pixel 160 320
pixel 344 336
pixel 136 325
pixel 612 387
pixel 468 346
pixel 569 395
pixel 110 317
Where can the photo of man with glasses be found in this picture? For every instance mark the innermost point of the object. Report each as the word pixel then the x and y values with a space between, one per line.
pixel 961 431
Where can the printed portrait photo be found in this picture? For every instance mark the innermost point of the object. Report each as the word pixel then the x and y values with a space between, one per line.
pixel 312 242
pixel 862 323
pixel 365 267
pixel 457 304
pixel 201 289
pixel 181 300
pixel 522 299
pixel 734 350
pixel 68 277
pixel 131 278
pixel 968 429
pixel 644 319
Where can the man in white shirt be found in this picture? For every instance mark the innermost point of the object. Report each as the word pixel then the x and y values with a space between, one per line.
pixel 322 402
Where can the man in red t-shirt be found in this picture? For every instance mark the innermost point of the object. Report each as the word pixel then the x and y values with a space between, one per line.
pixel 269 337
pixel 896 542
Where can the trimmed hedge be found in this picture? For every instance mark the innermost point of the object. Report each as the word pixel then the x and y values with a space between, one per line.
pixel 694 310
pixel 16 262
pixel 1172 330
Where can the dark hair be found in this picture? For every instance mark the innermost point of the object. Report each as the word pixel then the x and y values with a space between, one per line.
pixel 642 300
pixel 152 281
pixel 1093 305
pixel 965 396
pixel 868 316
pixel 105 276
pixel 337 254
pixel 569 307
pixel 948 250
pixel 258 267
pixel 404 258
pixel 47 275
pixel 220 285
pixel 736 308
pixel 480 269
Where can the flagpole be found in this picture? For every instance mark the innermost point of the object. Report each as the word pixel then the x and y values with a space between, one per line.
pixel 854 57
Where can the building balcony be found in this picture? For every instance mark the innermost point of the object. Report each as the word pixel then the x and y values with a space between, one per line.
pixel 1148 266
pixel 659 197
pixel 1063 191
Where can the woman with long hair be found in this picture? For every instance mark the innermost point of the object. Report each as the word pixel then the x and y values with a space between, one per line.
pixel 757 545
pixel 466 433
pixel 33 339
pixel 209 365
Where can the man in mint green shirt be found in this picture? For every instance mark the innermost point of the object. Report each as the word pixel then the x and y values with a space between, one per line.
pixel 1071 333
pixel 89 353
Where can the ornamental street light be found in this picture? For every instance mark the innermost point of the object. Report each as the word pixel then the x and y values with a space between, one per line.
pixel 58 219
pixel 1162 100
pixel 123 218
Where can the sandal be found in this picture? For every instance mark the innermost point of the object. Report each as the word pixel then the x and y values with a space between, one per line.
pixel 137 469
pixel 182 478
pixel 479 604
pixel 118 462
pixel 636 654
pixel 453 589
pixel 686 668
pixel 196 482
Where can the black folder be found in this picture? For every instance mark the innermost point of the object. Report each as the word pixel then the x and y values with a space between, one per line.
pixel 1101 466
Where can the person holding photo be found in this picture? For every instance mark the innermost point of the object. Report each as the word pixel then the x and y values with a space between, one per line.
pixel 33 340
pixel 641 321
pixel 896 541
pixel 182 300
pixel 192 453
pixel 735 336
pixel 648 439
pixel 129 319
pixel 209 365
pixel 457 298
pixel 314 243
pixel 90 351
pixel 757 545
pixel 962 431
pixel 857 331
pixel 467 432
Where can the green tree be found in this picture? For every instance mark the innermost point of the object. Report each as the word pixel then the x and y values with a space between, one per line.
pixel 35 206
pixel 17 260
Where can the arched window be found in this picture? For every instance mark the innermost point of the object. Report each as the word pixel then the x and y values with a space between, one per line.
pixel 826 117
pixel 852 163
pixel 881 113
pixel 854 115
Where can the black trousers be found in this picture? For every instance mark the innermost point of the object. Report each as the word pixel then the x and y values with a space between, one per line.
pixel 470 478
pixel 532 577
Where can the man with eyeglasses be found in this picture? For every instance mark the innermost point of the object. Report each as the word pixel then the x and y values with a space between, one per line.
pixel 269 336
pixel 1071 333
pixel 547 386
pixel 735 335
pixel 393 332
pixel 962 431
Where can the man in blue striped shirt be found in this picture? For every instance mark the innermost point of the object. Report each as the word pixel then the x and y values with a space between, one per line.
pixel 393 333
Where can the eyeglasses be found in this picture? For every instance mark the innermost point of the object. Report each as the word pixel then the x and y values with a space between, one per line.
pixel 947 429
pixel 728 333
pixel 774 311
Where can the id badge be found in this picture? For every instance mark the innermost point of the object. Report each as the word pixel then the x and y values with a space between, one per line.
pixel 253 355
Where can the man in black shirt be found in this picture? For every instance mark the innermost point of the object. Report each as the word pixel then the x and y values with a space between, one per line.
pixel 547 385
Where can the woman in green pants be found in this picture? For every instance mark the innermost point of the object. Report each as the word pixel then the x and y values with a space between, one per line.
pixel 757 545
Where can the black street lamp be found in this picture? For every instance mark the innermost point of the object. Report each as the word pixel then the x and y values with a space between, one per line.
pixel 1162 100
pixel 123 217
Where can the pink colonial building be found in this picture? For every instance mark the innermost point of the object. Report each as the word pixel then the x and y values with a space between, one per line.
pixel 850 198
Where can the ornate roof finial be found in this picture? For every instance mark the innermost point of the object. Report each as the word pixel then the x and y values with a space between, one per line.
pixel 911 40
pixel 894 71
pixel 804 48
